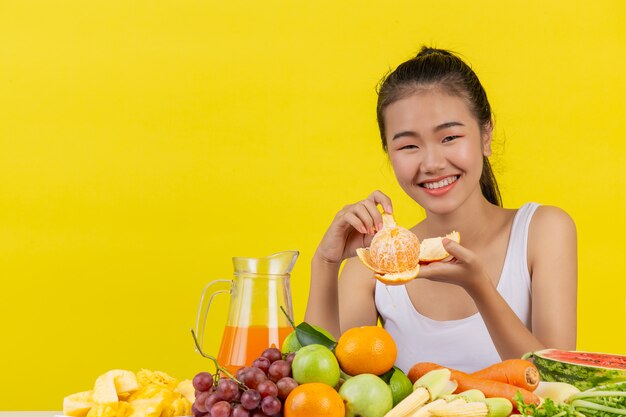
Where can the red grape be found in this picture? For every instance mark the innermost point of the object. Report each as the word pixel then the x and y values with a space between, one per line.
pixel 240 411
pixel 289 357
pixel 241 372
pixel 267 389
pixel 285 386
pixel 278 370
pixel 270 406
pixel 203 381
pixel 262 363
pixel 212 399
pixel 227 388
pixel 196 412
pixel 250 399
pixel 273 354
pixel 258 413
pixel 253 377
pixel 200 402
pixel 221 409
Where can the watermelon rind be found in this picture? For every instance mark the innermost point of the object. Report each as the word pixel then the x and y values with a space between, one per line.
pixel 582 376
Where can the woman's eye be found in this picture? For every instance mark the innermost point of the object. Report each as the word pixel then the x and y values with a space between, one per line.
pixel 409 147
pixel 449 138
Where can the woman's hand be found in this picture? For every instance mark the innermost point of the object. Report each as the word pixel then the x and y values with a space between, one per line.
pixel 353 227
pixel 464 270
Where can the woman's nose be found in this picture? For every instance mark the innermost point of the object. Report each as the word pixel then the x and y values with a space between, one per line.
pixel 434 160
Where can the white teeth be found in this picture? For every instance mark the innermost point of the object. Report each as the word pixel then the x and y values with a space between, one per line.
pixel 442 183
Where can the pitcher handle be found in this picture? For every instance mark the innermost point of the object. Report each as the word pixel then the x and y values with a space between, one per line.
pixel 202 313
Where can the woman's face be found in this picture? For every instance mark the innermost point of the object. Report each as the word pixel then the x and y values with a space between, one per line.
pixel 436 148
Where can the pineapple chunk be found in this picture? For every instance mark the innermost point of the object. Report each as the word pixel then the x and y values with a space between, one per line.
pixel 147 377
pixel 78 404
pixel 104 391
pixel 147 407
pixel 187 390
pixel 125 381
pixel 103 410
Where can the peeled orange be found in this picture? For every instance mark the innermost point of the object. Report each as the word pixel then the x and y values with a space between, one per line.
pixel 393 254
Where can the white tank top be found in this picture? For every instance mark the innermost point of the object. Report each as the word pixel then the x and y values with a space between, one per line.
pixel 462 344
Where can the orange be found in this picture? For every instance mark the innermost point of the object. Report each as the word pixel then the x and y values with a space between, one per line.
pixel 432 250
pixel 393 254
pixel 366 350
pixel 314 399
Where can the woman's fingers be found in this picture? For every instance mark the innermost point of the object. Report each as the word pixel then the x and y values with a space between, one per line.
pixel 364 215
pixel 355 221
pixel 458 251
pixel 465 269
pixel 432 270
pixel 374 213
pixel 378 197
pixel 360 209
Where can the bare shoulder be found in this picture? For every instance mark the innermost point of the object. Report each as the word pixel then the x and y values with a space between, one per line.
pixel 551 236
pixel 551 219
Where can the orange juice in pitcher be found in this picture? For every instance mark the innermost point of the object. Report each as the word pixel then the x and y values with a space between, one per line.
pixel 242 345
pixel 259 289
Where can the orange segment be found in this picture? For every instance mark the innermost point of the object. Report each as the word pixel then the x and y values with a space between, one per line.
pixel 388 220
pixel 432 250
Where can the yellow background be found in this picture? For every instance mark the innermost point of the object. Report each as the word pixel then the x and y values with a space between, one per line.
pixel 145 143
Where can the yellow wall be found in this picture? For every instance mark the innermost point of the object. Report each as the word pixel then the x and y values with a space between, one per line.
pixel 142 144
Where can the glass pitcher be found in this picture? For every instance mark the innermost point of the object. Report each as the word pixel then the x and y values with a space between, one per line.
pixel 259 289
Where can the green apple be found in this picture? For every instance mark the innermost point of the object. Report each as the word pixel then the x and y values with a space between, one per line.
pixel 292 344
pixel 366 395
pixel 315 363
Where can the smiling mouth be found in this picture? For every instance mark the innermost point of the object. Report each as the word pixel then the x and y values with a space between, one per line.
pixel 439 184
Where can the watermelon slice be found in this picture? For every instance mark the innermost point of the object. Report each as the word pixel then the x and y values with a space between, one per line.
pixel 584 370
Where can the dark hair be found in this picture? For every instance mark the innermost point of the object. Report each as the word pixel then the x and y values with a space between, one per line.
pixel 443 69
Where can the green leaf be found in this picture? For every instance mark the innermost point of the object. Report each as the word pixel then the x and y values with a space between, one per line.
pixel 547 409
pixel 307 335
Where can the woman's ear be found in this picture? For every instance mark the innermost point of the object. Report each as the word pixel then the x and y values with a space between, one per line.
pixel 487 132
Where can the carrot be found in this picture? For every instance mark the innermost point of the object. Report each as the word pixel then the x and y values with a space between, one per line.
pixel 465 381
pixel 420 369
pixel 518 372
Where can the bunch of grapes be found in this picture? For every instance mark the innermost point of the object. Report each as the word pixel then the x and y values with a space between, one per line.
pixel 261 389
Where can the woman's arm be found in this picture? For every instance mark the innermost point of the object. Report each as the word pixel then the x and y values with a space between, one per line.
pixel 552 264
pixel 322 307
pixel 356 292
pixel 353 227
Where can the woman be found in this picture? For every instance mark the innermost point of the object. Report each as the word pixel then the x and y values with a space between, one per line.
pixel 511 287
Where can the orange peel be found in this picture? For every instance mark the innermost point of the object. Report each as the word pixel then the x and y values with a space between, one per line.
pixel 432 250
